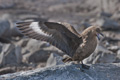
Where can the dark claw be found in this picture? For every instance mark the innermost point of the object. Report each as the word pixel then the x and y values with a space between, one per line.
pixel 85 66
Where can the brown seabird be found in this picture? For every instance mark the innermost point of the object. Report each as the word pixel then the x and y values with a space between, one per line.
pixel 64 37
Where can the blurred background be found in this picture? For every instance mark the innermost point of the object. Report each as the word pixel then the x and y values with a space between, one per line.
pixel 18 53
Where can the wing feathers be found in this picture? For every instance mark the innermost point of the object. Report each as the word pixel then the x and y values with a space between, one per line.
pixel 54 33
pixel 35 26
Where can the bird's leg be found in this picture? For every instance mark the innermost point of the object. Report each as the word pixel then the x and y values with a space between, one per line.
pixel 85 66
pixel 78 62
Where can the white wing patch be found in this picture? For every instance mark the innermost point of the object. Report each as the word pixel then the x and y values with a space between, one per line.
pixel 35 26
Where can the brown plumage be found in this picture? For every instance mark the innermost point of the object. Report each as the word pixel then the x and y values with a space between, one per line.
pixel 64 37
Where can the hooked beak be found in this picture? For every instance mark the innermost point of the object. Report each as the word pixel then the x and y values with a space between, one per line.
pixel 98 35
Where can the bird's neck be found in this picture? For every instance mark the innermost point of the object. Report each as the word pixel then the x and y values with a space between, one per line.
pixel 89 39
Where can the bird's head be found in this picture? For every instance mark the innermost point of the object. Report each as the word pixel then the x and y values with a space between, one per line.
pixel 94 30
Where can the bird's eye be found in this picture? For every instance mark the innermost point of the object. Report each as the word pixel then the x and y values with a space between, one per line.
pixel 98 30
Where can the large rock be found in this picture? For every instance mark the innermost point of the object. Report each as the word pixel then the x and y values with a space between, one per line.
pixel 69 72
pixel 10 54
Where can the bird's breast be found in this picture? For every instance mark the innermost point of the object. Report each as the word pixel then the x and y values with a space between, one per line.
pixel 89 46
pixel 85 49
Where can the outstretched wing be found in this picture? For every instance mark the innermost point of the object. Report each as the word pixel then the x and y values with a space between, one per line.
pixel 55 33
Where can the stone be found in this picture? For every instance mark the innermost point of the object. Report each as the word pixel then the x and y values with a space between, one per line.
pixel 118 57
pixel 6 70
pixel 116 16
pixel 118 53
pixel 54 59
pixel 18 54
pixel 8 29
pixel 105 14
pixel 69 72
pixel 10 54
pixel 108 24
pixel 114 48
pixel 5 26
pixel 7 4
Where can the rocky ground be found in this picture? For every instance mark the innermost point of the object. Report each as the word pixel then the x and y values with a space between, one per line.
pixel 18 53
pixel 69 72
